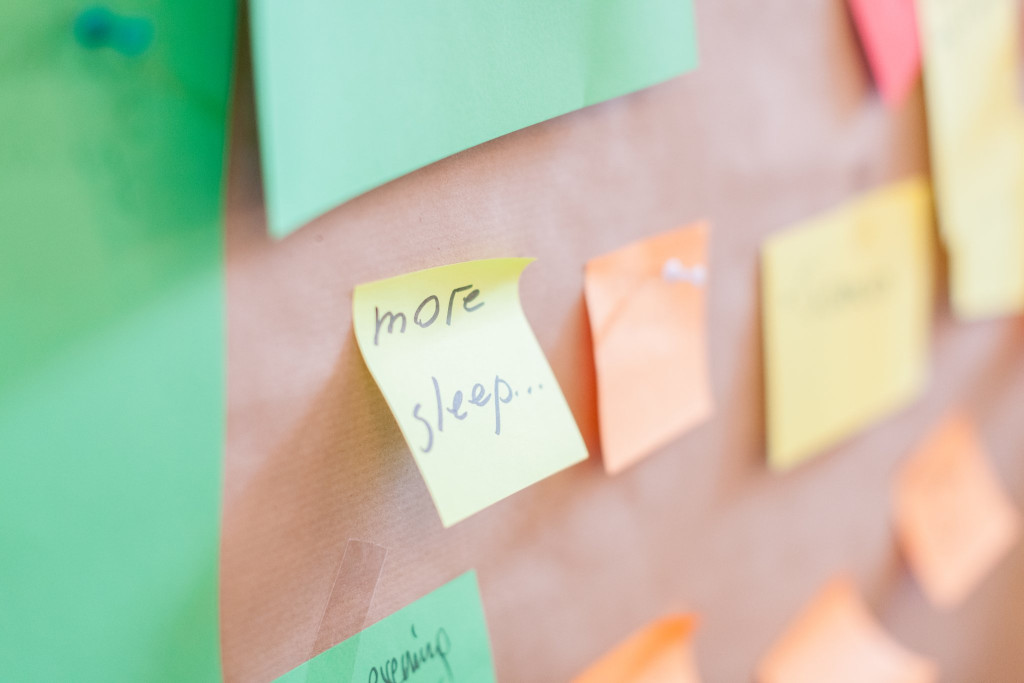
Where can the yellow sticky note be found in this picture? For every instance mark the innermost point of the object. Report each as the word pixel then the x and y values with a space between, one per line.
pixel 646 303
pixel 474 396
pixel 976 135
pixel 660 653
pixel 952 517
pixel 847 300
pixel 836 640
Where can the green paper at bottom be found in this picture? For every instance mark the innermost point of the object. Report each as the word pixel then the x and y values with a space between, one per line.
pixel 440 638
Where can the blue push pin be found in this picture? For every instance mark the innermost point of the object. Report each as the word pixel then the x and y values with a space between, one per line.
pixel 94 27
pixel 98 27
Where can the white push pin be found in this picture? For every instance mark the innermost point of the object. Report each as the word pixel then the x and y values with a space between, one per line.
pixel 675 271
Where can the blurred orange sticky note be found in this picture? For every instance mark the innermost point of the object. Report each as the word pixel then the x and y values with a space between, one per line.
pixel 953 520
pixel 660 653
pixel 836 640
pixel 888 32
pixel 647 316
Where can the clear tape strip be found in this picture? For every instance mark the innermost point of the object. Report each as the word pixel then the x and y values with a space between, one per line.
pixel 348 603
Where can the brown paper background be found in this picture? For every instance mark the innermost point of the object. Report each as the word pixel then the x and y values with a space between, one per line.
pixel 779 122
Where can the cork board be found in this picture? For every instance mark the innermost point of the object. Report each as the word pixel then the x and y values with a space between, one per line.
pixel 779 122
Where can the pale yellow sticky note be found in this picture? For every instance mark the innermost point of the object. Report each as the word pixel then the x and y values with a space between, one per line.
pixel 953 519
pixel 467 381
pixel 836 640
pixel 976 134
pixel 847 301
pixel 660 653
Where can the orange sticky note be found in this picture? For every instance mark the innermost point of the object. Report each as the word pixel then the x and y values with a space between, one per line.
pixel 647 317
pixel 888 31
pixel 835 639
pixel 660 653
pixel 953 519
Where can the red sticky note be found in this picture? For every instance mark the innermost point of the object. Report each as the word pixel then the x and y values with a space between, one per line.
pixel 888 31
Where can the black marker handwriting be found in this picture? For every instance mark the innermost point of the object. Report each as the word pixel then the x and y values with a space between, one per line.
pixel 460 406
pixel 408 664
pixel 426 313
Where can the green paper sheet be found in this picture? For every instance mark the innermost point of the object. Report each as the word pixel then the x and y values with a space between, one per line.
pixel 112 344
pixel 440 638
pixel 351 94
